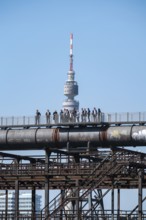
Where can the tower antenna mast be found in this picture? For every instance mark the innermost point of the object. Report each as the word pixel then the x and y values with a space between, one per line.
pixel 71 52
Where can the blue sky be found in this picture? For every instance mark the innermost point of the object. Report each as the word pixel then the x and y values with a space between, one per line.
pixel 109 54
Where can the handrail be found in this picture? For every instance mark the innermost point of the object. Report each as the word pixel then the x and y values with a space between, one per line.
pixel 107 215
pixel 116 118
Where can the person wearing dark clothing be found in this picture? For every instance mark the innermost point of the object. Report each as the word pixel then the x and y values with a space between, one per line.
pixel 55 117
pixel 61 116
pixel 88 114
pixel 37 117
pixel 99 115
pixel 74 115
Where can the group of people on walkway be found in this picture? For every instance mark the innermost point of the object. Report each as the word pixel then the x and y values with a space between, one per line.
pixel 70 116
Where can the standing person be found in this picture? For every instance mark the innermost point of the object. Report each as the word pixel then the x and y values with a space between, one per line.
pixel 48 114
pixel 99 115
pixel 74 115
pixel 67 115
pixel 78 116
pixel 82 114
pixel 37 117
pixel 88 114
pixel 95 114
pixel 55 117
pixel 92 113
pixel 61 116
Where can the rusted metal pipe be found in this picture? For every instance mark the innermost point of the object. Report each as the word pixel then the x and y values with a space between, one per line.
pixel 39 138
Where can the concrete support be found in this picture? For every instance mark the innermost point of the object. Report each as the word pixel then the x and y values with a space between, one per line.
pixel 140 176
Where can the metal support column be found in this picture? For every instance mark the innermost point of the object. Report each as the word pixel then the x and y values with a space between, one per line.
pixel 16 199
pixel 112 203
pixel 33 203
pixel 62 198
pixel 90 203
pixel 6 205
pixel 77 201
pixel 77 160
pixel 90 194
pixel 118 204
pixel 17 193
pixel 47 154
pixel 140 176
pixel 100 202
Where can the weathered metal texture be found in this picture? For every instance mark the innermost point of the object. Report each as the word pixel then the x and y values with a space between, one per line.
pixel 3 136
pixel 139 134
pixel 45 136
pixel 39 138
pixel 21 137
pixel 118 135
pixel 84 135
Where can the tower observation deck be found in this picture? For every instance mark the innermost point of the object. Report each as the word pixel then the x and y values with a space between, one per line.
pixel 71 86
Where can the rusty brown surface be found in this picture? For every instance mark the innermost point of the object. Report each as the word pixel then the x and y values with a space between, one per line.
pixel 122 167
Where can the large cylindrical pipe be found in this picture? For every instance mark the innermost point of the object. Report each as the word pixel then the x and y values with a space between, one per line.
pixel 39 138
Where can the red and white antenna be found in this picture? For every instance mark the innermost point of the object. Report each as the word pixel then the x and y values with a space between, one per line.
pixel 71 52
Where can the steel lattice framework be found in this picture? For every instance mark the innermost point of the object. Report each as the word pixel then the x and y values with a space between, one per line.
pixel 82 172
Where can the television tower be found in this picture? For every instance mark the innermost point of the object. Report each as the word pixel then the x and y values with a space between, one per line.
pixel 71 86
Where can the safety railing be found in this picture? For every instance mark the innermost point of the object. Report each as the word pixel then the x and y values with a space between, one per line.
pixel 71 168
pixel 72 214
pixel 116 118
pixel 54 167
pixel 108 215
pixel 21 214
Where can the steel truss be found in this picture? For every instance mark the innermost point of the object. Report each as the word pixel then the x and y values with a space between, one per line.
pixel 80 177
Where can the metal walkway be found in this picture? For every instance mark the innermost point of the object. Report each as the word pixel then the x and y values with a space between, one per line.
pixel 110 118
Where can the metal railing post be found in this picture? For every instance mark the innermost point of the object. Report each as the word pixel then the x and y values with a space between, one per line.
pixel 127 116
pixel 115 117
pixel 139 116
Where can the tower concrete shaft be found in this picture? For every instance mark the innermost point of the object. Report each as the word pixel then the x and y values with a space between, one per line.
pixel 71 86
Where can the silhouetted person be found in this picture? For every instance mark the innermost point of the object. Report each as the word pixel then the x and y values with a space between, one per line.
pixel 88 114
pixel 37 117
pixel 55 117
pixel 99 115
pixel 61 116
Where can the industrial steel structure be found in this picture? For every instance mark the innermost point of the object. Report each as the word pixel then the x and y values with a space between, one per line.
pixel 84 159
pixel 80 160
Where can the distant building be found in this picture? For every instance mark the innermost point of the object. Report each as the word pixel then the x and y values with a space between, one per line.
pixel 11 202
pixel 25 203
